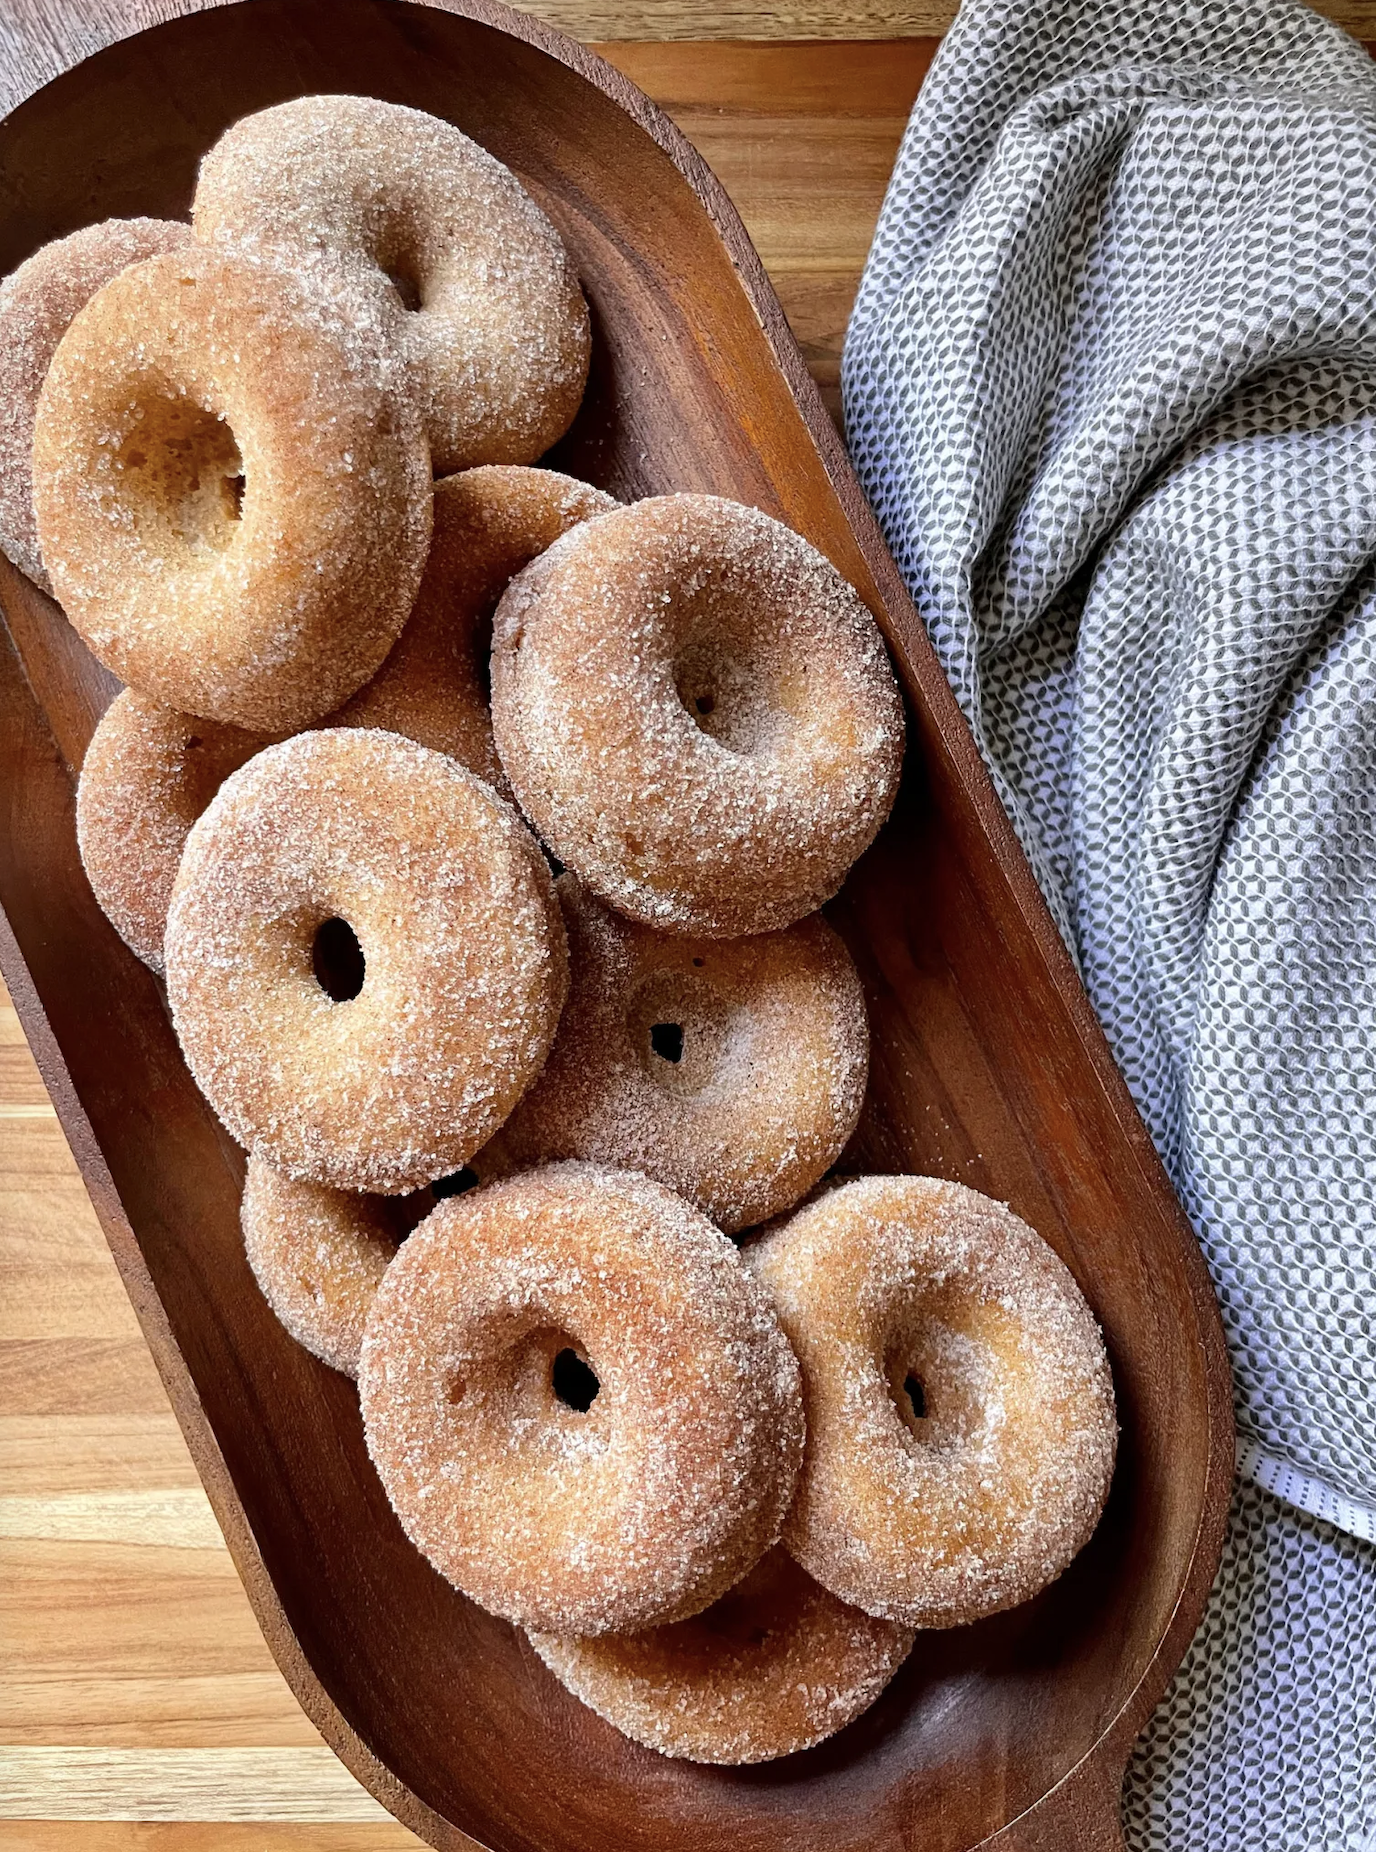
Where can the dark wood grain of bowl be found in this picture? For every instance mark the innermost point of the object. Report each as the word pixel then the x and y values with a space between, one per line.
pixel 988 1067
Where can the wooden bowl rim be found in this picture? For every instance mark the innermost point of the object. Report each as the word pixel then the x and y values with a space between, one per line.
pixel 1104 1762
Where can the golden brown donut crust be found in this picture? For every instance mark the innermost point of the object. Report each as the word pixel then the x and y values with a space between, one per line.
pixel 149 772
pixel 37 304
pixel 696 712
pixel 765 1052
pixel 938 1518
pixel 775 1666
pixel 489 524
pixel 232 486
pixel 643 1507
pixel 319 1256
pixel 465 959
pixel 498 336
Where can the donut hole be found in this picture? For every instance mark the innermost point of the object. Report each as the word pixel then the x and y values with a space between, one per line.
pixel 548 1383
pixel 725 696
pixel 337 960
pixel 404 282
pixel 666 1040
pixel 573 1379
pixel 683 1031
pixel 944 1380
pixel 542 1384
pixel 743 691
pixel 909 1393
pixel 310 1289
pixel 181 479
pixel 401 256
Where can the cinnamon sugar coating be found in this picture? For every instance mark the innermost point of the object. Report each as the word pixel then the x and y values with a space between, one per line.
pixel 232 486
pixel 660 1491
pixel 696 712
pixel 319 1256
pixel 960 1412
pixel 482 301
pixel 775 1666
pixel 464 963
pixel 37 304
pixel 150 771
pixel 148 774
pixel 489 523
pixel 731 1070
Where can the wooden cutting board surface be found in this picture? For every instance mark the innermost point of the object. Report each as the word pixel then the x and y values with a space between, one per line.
pixel 139 1707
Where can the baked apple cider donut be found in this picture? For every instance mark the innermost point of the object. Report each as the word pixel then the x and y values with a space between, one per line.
pixel 232 486
pixel 319 1256
pixel 365 959
pixel 150 771
pixel 960 1412
pixel 489 523
pixel 776 1666
pixel 484 304
pixel 696 712
pixel 37 303
pixel 148 774
pixel 580 1403
pixel 732 1070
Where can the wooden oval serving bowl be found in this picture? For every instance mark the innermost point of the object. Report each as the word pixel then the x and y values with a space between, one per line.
pixel 988 1064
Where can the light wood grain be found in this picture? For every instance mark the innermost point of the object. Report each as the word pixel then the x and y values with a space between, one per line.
pixel 133 1676
pixel 181 1784
pixel 193 1836
pixel 175 1520
pixel 803 137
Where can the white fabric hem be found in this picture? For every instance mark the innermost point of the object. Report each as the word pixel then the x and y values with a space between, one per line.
pixel 1309 1494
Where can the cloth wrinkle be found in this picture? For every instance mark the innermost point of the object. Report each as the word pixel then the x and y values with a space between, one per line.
pixel 1110 384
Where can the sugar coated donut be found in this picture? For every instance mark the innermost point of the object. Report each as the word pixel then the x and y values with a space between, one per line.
pixel 696 712
pixel 489 523
pixel 319 1256
pixel 776 1665
pixel 232 486
pixel 150 771
pixel 960 1412
pixel 425 906
pixel 732 1070
pixel 483 301
pixel 37 303
pixel 579 1401
pixel 148 774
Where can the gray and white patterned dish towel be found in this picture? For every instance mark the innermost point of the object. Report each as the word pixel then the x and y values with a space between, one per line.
pixel 1110 384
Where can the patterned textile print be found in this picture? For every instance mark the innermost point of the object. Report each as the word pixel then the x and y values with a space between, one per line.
pixel 1206 1776
pixel 1111 386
